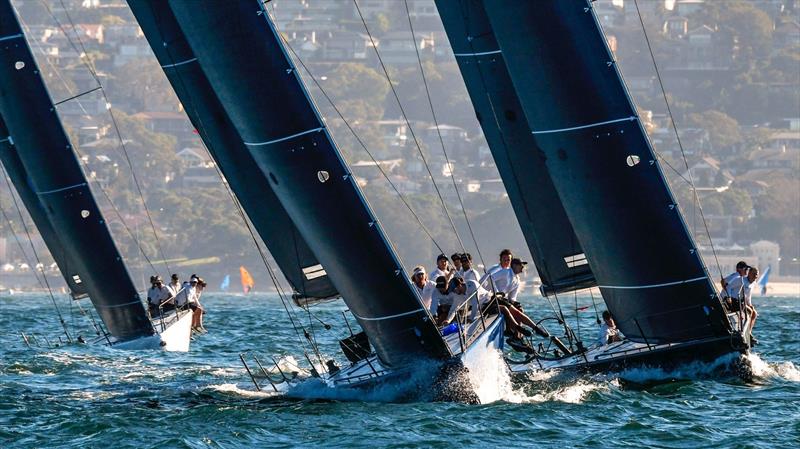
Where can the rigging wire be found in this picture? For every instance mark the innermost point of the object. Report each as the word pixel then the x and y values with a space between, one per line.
pixel 439 133
pixel 410 128
pixel 33 249
pixel 115 124
pixel 680 144
pixel 78 152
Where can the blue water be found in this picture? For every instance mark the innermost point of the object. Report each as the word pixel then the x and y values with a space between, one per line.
pixel 78 396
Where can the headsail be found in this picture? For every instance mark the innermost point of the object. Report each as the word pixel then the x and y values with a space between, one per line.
pixel 247 280
pixel 245 178
pixel 19 177
pixel 549 234
pixel 56 177
pixel 646 264
pixel 255 80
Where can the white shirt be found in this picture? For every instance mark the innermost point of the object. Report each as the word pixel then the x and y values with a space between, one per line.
pixel 748 292
pixel 436 273
pixel 605 333
pixel 174 288
pixel 470 275
pixel 503 279
pixel 438 299
pixel 188 295
pixel 734 284
pixel 477 296
pixel 426 292
pixel 155 295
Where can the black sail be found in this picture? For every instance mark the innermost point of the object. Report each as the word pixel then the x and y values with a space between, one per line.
pixel 244 60
pixel 605 171
pixel 56 177
pixel 19 177
pixel 556 251
pixel 248 182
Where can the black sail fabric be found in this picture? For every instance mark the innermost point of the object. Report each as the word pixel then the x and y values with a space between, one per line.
pixel 552 242
pixel 598 155
pixel 19 178
pixel 251 186
pixel 56 177
pixel 244 60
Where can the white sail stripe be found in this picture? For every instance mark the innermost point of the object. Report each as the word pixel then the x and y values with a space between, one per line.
pixel 388 317
pixel 483 53
pixel 5 139
pixel 61 189
pixel 5 38
pixel 118 305
pixel 592 125
pixel 258 144
pixel 166 66
pixel 666 284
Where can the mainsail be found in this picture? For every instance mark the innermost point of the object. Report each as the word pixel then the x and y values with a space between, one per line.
pixel 551 239
pixel 247 280
pixel 256 81
pixel 251 186
pixel 602 165
pixel 19 177
pixel 56 177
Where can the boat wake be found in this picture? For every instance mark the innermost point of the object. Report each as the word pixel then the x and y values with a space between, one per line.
pixel 763 370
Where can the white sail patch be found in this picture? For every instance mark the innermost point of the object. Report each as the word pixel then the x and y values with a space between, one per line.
pixel 76 279
pixel 314 271
pixel 576 260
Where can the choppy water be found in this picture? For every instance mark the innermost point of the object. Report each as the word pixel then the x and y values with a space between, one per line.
pixel 96 397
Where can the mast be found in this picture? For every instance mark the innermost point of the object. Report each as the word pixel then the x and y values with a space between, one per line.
pixel 251 186
pixel 602 165
pixel 244 60
pixel 19 177
pixel 55 176
pixel 551 239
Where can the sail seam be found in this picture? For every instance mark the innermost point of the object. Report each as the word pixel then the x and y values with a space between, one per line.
pixel 482 53
pixel 591 125
pixel 259 144
pixel 83 184
pixel 166 66
pixel 388 317
pixel 666 284
pixel 14 36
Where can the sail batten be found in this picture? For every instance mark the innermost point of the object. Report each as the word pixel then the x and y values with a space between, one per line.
pixel 56 177
pixel 546 227
pixel 245 62
pixel 246 179
pixel 633 236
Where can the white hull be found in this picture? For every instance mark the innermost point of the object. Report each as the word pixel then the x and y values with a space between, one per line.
pixel 175 334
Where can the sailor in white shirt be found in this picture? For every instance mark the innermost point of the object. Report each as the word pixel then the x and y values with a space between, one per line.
pixel 441 300
pixel 472 291
pixel 175 285
pixel 457 268
pixel 734 282
pixel 608 330
pixel 441 268
pixel 749 285
pixel 157 294
pixel 467 272
pixel 499 277
pixel 424 286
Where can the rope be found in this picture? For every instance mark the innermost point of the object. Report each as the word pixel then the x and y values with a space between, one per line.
pixel 439 133
pixel 33 249
pixel 680 144
pixel 408 124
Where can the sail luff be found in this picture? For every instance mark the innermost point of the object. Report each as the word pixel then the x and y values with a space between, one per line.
pixel 245 178
pixel 56 177
pixel 614 193
pixel 19 178
pixel 257 83
pixel 544 223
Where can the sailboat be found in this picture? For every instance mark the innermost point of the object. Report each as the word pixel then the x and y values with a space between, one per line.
pixel 248 76
pixel 763 280
pixel 247 280
pixel 554 107
pixel 40 160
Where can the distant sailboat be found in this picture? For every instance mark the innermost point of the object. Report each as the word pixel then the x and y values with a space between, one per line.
pixel 763 280
pixel 40 160
pixel 223 286
pixel 247 280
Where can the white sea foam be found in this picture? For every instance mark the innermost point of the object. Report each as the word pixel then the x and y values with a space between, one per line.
pixel 234 389
pixel 572 394
pixel 765 370
pixel 491 379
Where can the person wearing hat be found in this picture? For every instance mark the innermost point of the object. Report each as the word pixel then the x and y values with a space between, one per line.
pixel 158 295
pixel 441 267
pixel 517 267
pixel 733 284
pixel 424 287
pixel 174 285
pixel 441 300
pixel 467 272
pixel 456 258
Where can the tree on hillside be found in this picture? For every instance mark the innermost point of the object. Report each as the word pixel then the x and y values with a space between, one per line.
pixel 722 129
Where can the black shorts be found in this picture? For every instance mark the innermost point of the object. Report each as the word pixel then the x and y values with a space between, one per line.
pixel 490 308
